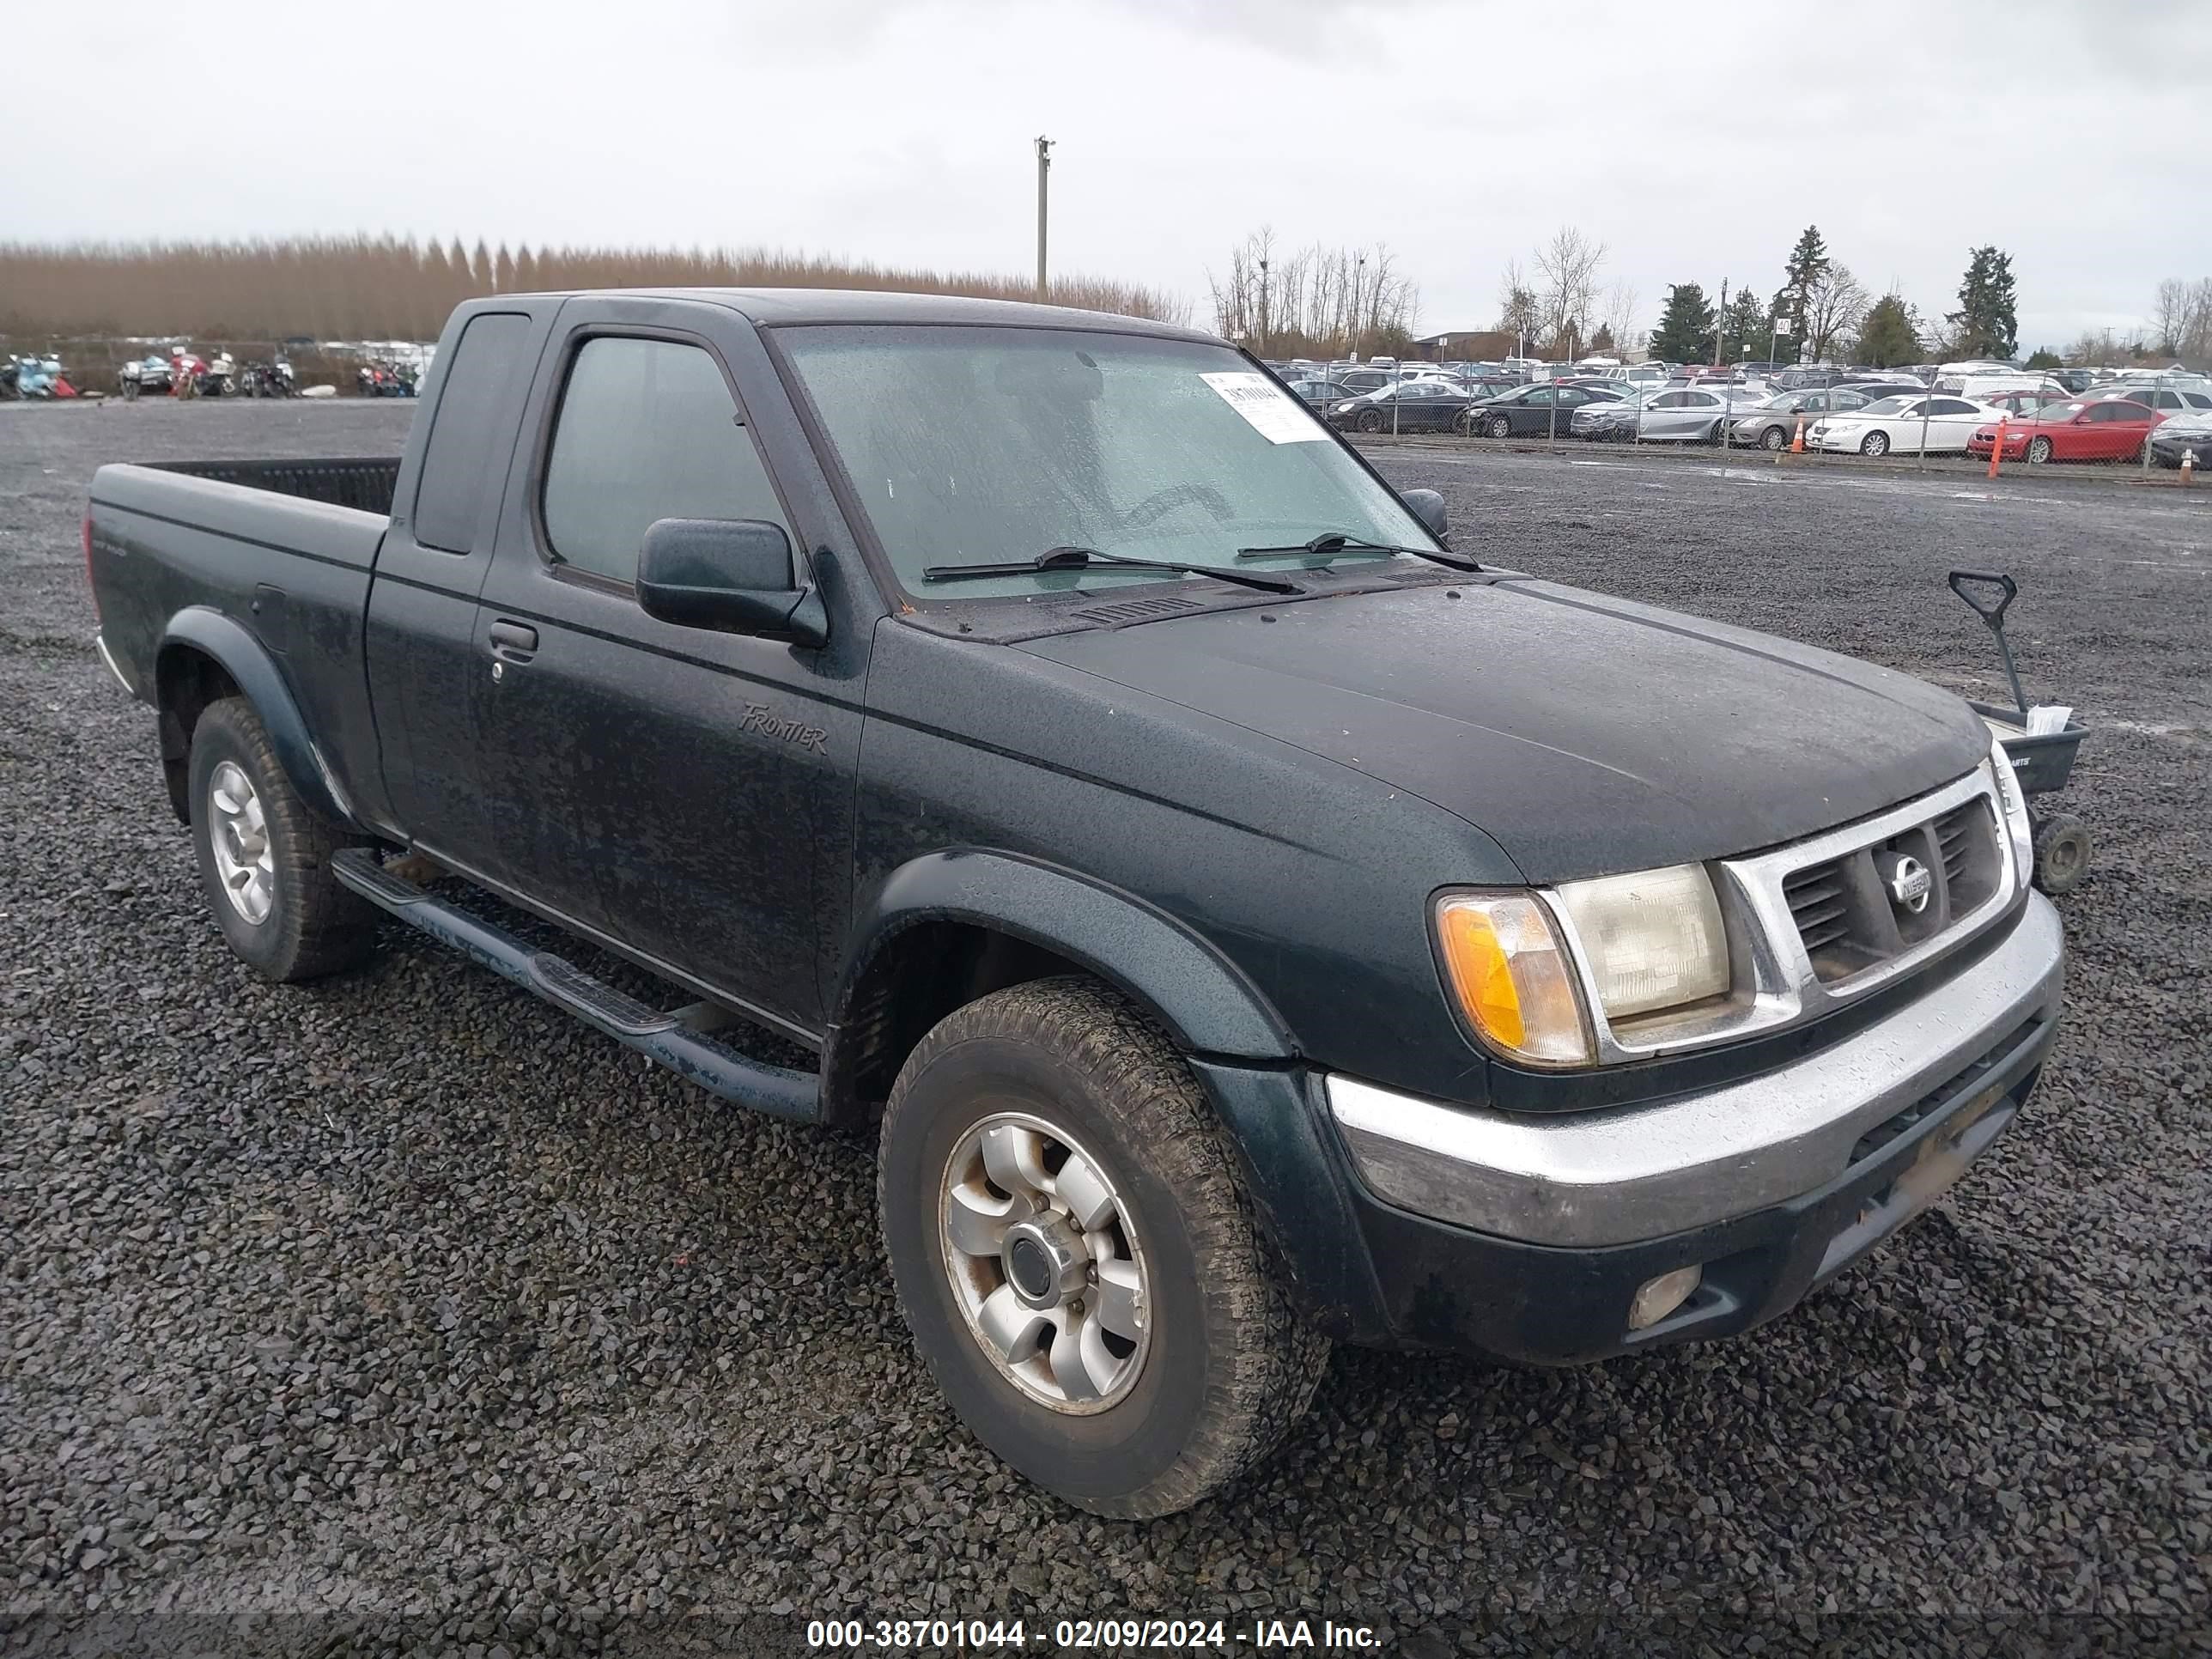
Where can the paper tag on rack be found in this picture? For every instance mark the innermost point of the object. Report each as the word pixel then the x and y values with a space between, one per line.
pixel 1273 413
pixel 2048 719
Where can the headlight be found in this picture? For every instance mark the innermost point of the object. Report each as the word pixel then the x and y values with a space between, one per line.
pixel 1649 941
pixel 2013 800
pixel 1652 940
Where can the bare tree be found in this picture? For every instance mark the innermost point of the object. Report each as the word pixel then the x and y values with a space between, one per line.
pixel 1835 304
pixel 1566 285
pixel 1320 301
pixel 1517 310
pixel 2169 317
pixel 1621 307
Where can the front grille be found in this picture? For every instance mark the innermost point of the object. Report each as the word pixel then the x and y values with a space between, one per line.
pixel 1848 919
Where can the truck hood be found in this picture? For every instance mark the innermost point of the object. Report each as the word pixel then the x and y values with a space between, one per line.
pixel 1585 735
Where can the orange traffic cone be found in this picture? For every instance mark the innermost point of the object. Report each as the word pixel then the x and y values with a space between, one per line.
pixel 1797 443
pixel 1996 448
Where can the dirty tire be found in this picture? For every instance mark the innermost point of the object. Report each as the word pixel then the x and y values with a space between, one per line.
pixel 2038 450
pixel 1500 427
pixel 314 927
pixel 1370 421
pixel 1229 1369
pixel 1773 439
pixel 2063 850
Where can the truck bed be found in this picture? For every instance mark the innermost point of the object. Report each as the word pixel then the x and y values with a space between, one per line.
pixel 365 483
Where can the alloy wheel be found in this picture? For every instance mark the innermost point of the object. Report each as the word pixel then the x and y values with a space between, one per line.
pixel 239 833
pixel 1045 1263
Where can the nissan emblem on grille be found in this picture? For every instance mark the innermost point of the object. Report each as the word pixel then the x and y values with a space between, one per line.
pixel 1907 879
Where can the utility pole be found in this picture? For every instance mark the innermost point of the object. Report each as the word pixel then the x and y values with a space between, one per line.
pixel 1359 276
pixel 1263 305
pixel 1044 170
pixel 1720 323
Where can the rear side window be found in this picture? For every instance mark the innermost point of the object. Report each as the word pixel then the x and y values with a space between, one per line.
pixel 647 430
pixel 474 411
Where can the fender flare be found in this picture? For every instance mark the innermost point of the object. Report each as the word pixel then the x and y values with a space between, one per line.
pixel 1204 1000
pixel 252 668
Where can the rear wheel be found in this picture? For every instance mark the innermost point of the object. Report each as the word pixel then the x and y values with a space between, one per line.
pixel 1076 1259
pixel 2038 450
pixel 264 855
pixel 1875 443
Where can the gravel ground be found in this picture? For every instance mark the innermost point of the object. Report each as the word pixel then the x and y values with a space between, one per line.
pixel 402 1310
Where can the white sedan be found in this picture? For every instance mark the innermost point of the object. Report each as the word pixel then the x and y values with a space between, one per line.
pixel 1907 423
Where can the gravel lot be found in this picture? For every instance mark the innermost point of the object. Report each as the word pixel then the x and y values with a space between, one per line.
pixel 405 1306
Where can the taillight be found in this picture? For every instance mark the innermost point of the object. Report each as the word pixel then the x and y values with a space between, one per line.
pixel 87 565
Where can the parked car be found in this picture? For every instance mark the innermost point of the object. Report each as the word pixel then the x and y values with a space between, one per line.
pixel 2084 429
pixel 1531 412
pixel 1612 420
pixel 1481 965
pixel 2167 399
pixel 2076 380
pixel 1696 415
pixel 1361 381
pixel 1906 423
pixel 1772 423
pixel 2182 433
pixel 2019 404
pixel 1406 406
pixel 1321 394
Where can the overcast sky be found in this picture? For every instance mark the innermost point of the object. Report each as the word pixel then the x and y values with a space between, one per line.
pixel 1695 141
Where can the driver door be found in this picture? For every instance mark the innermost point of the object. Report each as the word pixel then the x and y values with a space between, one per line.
pixel 681 792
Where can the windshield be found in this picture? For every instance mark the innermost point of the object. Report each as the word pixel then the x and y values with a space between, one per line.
pixel 979 446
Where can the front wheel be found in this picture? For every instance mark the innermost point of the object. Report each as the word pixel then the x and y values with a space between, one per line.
pixel 1076 1259
pixel 2038 451
pixel 264 856
pixel 1499 427
pixel 1875 443
pixel 1773 439
pixel 1369 420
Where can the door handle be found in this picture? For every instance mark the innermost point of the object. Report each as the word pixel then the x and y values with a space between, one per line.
pixel 513 641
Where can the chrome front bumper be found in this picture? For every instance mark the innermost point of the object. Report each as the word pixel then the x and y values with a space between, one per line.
pixel 1614 1178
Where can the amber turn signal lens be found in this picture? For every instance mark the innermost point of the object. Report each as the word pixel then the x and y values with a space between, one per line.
pixel 1512 979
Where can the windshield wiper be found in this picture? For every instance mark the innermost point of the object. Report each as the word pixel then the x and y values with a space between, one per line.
pixel 1080 558
pixel 1336 541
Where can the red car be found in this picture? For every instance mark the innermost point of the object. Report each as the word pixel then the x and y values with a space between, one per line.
pixel 2113 430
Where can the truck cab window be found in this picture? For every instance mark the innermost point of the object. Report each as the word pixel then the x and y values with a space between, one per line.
pixel 647 430
pixel 457 463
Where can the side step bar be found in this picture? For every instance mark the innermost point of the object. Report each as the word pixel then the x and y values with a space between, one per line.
pixel 690 1054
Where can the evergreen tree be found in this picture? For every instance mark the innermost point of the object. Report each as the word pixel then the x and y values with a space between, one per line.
pixel 504 272
pixel 1808 263
pixel 1743 331
pixel 480 268
pixel 1602 343
pixel 1985 323
pixel 1886 337
pixel 2044 358
pixel 1684 334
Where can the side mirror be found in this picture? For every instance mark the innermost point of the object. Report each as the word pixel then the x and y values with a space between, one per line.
pixel 1428 507
pixel 736 576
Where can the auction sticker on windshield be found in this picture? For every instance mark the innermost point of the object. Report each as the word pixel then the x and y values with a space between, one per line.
pixel 1274 414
